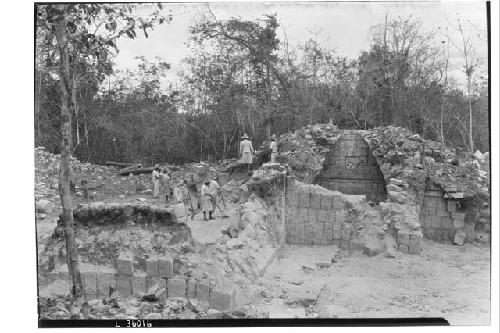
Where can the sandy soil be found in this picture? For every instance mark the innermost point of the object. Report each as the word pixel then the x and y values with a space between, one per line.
pixel 444 281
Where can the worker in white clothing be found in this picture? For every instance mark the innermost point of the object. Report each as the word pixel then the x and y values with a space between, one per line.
pixel 274 148
pixel 246 151
pixel 209 191
pixel 156 182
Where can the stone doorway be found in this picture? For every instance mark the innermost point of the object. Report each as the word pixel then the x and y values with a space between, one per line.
pixel 351 168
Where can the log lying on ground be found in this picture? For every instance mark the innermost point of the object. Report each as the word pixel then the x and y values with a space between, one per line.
pixel 132 167
pixel 120 164
pixel 136 171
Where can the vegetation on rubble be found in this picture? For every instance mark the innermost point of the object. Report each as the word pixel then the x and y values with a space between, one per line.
pixel 240 77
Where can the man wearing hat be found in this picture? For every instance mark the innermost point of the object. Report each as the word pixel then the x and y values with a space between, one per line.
pixel 246 151
pixel 209 191
pixel 274 148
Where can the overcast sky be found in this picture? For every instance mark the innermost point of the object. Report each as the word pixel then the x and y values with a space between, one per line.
pixel 342 25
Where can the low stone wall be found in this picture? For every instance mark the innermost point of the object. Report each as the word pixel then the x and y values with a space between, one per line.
pixel 314 218
pixel 100 213
pixel 441 221
pixel 159 270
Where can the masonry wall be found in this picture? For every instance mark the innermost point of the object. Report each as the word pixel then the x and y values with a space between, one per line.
pixel 440 219
pixel 314 218
pixel 351 168
pixel 159 271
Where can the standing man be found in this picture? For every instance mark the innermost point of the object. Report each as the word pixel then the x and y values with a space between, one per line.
pixel 246 151
pixel 165 182
pixel 209 191
pixel 274 148
pixel 156 182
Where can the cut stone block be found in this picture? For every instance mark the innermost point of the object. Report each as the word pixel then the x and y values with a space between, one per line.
pixel 124 285
pixel 415 246
pixel 451 206
pixel 327 234
pixel 315 200
pixel 337 203
pixel 403 248
pixel 292 199
pixel 176 287
pixel 344 245
pixel 458 216
pixel 302 215
pixel 166 267
pixel 203 291
pixel 458 224
pixel 191 289
pixel 152 267
pixel 326 202
pixel 459 237
pixel 150 282
pixel 312 215
pixel 89 280
pixel 322 216
pixel 336 232
pixel 139 284
pixel 221 300
pixel 339 216
pixel 309 231
pixel 124 265
pixel 304 199
pixel 403 237
pixel 104 282
pixel 345 233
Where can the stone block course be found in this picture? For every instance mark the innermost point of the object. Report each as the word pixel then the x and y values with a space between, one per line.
pixel 124 284
pixel 221 300
pixel 124 265
pixel 166 266
pixel 176 287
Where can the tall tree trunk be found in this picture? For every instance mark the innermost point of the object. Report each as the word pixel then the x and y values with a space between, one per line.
pixel 471 141
pixel 65 166
pixel 75 106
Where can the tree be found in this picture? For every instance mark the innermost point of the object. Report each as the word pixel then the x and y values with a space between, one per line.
pixel 78 37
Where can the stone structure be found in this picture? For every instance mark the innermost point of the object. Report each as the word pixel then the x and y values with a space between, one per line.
pixel 315 218
pixel 351 168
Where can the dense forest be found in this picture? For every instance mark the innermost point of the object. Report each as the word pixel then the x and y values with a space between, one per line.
pixel 240 76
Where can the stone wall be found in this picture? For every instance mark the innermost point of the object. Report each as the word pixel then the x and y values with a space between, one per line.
pixel 440 219
pixel 351 168
pixel 316 218
pixel 159 271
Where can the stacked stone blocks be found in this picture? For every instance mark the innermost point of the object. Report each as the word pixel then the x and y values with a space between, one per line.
pixel 316 219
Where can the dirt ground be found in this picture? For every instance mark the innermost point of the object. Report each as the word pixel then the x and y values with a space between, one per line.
pixel 444 281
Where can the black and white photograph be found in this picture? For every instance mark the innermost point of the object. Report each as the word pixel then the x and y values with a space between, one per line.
pixel 246 163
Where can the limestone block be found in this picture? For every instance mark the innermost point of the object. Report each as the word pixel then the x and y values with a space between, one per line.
pixel 302 215
pixel 458 224
pixel 104 282
pixel 339 216
pixel 166 266
pixel 344 245
pixel 345 233
pixel 415 246
pixel 304 199
pixel 326 202
pixel 151 281
pixel 124 265
pixel 312 215
pixel 292 198
pixel 176 287
pixel 203 291
pixel 89 280
pixel 315 200
pixel 191 288
pixel 459 237
pixel 139 284
pixel 403 248
pixel 451 206
pixel 403 237
pixel 124 284
pixel 337 203
pixel 221 300
pixel 152 267
pixel 336 232
pixel 322 216
pixel 309 231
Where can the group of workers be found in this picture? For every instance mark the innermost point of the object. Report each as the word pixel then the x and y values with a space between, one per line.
pixel 210 189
